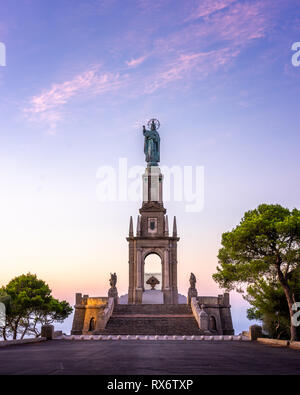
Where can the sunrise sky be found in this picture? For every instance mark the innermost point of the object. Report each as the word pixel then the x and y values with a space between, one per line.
pixel 82 77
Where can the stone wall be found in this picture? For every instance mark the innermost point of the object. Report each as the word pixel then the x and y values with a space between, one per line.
pixel 88 309
pixel 219 314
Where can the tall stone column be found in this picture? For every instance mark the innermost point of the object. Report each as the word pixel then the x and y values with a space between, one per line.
pixel 139 287
pixel 167 290
pixel 167 269
pixel 139 268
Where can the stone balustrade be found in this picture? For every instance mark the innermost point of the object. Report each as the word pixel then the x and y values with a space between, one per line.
pixel 107 312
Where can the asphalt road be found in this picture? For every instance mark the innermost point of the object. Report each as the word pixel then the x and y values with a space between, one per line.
pixel 148 357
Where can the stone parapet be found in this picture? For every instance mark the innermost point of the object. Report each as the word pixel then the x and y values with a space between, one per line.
pixel 103 319
pixel 273 342
pixel 90 313
pixel 218 311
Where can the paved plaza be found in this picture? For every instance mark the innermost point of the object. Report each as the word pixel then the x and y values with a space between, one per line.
pixel 148 357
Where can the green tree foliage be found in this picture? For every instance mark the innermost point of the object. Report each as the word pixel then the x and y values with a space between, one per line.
pixel 264 249
pixel 30 305
pixel 270 306
pixel 5 299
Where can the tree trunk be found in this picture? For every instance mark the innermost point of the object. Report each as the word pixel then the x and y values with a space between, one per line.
pixel 24 333
pixel 290 301
pixel 15 329
pixel 4 333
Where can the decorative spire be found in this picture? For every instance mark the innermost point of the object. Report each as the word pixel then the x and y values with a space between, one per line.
pixel 130 227
pixel 138 227
pixel 166 226
pixel 174 228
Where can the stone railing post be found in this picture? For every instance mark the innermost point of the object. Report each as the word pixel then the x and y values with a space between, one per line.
pixel 255 331
pixel 47 332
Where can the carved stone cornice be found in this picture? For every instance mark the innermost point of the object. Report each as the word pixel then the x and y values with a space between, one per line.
pixel 152 207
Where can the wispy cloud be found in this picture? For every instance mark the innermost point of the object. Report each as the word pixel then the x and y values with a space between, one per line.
pixel 211 35
pixel 243 22
pixel 207 7
pixel 136 62
pixel 234 26
pixel 47 106
pixel 230 31
pixel 202 64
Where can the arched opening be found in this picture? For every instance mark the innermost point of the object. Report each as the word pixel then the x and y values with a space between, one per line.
pixel 212 323
pixel 153 268
pixel 92 324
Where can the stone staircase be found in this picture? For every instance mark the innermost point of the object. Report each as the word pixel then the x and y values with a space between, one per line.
pixel 147 319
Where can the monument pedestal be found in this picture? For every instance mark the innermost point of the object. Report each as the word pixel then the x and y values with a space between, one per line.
pixel 113 293
pixel 139 295
pixel 192 293
pixel 152 237
pixel 153 296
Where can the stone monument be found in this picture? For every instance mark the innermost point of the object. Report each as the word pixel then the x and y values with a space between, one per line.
pixel 113 292
pixel 152 233
pixel 152 311
pixel 192 292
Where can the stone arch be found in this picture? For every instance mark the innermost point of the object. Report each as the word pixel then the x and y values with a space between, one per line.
pixel 157 251
pixel 152 266
pixel 212 323
pixel 149 251
pixel 92 324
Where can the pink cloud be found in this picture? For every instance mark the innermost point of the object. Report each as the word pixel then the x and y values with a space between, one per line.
pixel 243 22
pixel 238 24
pixel 197 48
pixel 230 31
pixel 202 63
pixel 136 62
pixel 47 106
pixel 207 7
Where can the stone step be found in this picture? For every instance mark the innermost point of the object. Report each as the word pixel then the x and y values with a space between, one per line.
pixel 152 326
pixel 152 309
pixel 147 319
pixel 152 315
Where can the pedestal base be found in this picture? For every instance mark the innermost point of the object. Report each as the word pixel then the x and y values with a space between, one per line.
pixel 113 293
pixel 153 297
pixel 192 293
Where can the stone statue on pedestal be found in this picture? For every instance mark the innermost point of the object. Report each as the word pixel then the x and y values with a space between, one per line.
pixel 193 281
pixel 113 280
pixel 113 292
pixel 192 293
pixel 152 143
